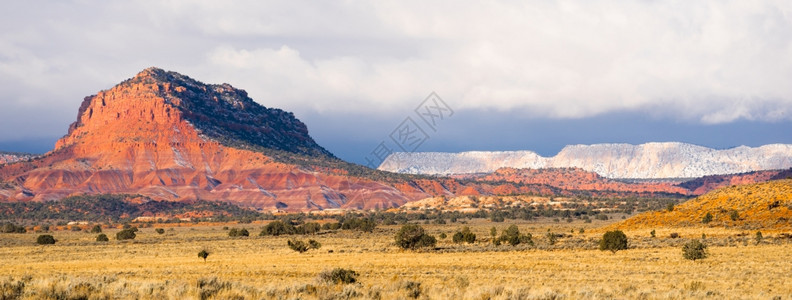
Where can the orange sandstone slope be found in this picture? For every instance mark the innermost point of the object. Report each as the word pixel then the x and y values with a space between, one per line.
pixel 758 205
pixel 169 137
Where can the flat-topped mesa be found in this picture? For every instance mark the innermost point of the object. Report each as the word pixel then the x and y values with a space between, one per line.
pixel 158 106
pixel 169 137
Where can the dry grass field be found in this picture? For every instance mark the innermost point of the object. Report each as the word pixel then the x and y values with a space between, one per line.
pixel 166 266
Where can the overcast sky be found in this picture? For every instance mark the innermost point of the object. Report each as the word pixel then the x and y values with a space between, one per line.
pixel 532 75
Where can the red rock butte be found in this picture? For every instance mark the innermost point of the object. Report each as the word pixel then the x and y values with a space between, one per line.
pixel 169 137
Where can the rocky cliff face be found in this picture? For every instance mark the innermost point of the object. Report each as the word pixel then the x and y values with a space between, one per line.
pixel 651 160
pixel 169 137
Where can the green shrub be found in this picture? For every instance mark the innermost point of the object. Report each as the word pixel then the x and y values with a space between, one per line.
pixel 653 233
pixel 332 226
pixel 670 207
pixel 96 229
pixel 159 230
pixel 238 232
pixel 707 218
pixel 276 228
pixel 297 245
pixel 465 236
pixel 614 241
pixel 338 276
pixel 45 239
pixel 309 228
pixel 314 244
pixel 412 236
pixel 413 289
pixel 126 234
pixel 12 228
pixel 512 236
pixel 734 215
pixel 442 235
pixel 102 238
pixel 203 254
pixel 759 237
pixel 694 250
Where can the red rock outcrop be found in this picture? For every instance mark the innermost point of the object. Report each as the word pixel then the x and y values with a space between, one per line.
pixel 142 137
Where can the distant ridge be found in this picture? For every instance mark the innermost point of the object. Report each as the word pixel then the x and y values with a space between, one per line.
pixel 644 161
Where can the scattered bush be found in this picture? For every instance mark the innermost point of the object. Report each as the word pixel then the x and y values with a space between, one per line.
pixel 96 229
pixel 333 226
pixel 126 234
pixel 309 228
pixel 412 236
pixel 413 289
pixel 614 241
pixel 707 218
pixel 670 207
pixel 45 239
pixel 362 224
pixel 301 246
pixel 674 235
pixel 12 228
pixel 552 238
pixel 297 245
pixel 734 215
pixel 338 276
pixel 759 237
pixel 512 236
pixel 694 250
pixel 102 238
pixel 160 230
pixel 442 235
pixel 276 228
pixel 653 233
pixel 464 236
pixel 203 254
pixel 238 232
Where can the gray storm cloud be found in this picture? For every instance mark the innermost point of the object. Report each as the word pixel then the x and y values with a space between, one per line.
pixel 706 61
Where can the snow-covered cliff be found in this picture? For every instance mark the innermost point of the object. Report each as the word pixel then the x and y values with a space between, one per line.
pixel 650 160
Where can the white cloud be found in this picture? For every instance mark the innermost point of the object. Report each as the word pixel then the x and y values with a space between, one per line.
pixel 710 61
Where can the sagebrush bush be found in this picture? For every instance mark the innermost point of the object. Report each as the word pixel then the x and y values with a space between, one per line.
pixel 159 230
pixel 238 232
pixel 707 218
pixel 276 228
pixel 694 250
pixel 338 276
pixel 301 246
pixel 464 236
pixel 45 239
pixel 102 238
pixel 512 236
pixel 613 241
pixel 126 234
pixel 412 236
pixel 12 228
pixel 96 229
pixel 203 254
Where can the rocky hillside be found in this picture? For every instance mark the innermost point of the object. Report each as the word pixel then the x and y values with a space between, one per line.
pixel 645 161
pixel 168 137
pixel 759 205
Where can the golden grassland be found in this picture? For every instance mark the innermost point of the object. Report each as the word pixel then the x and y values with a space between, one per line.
pixel 166 266
pixel 759 205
